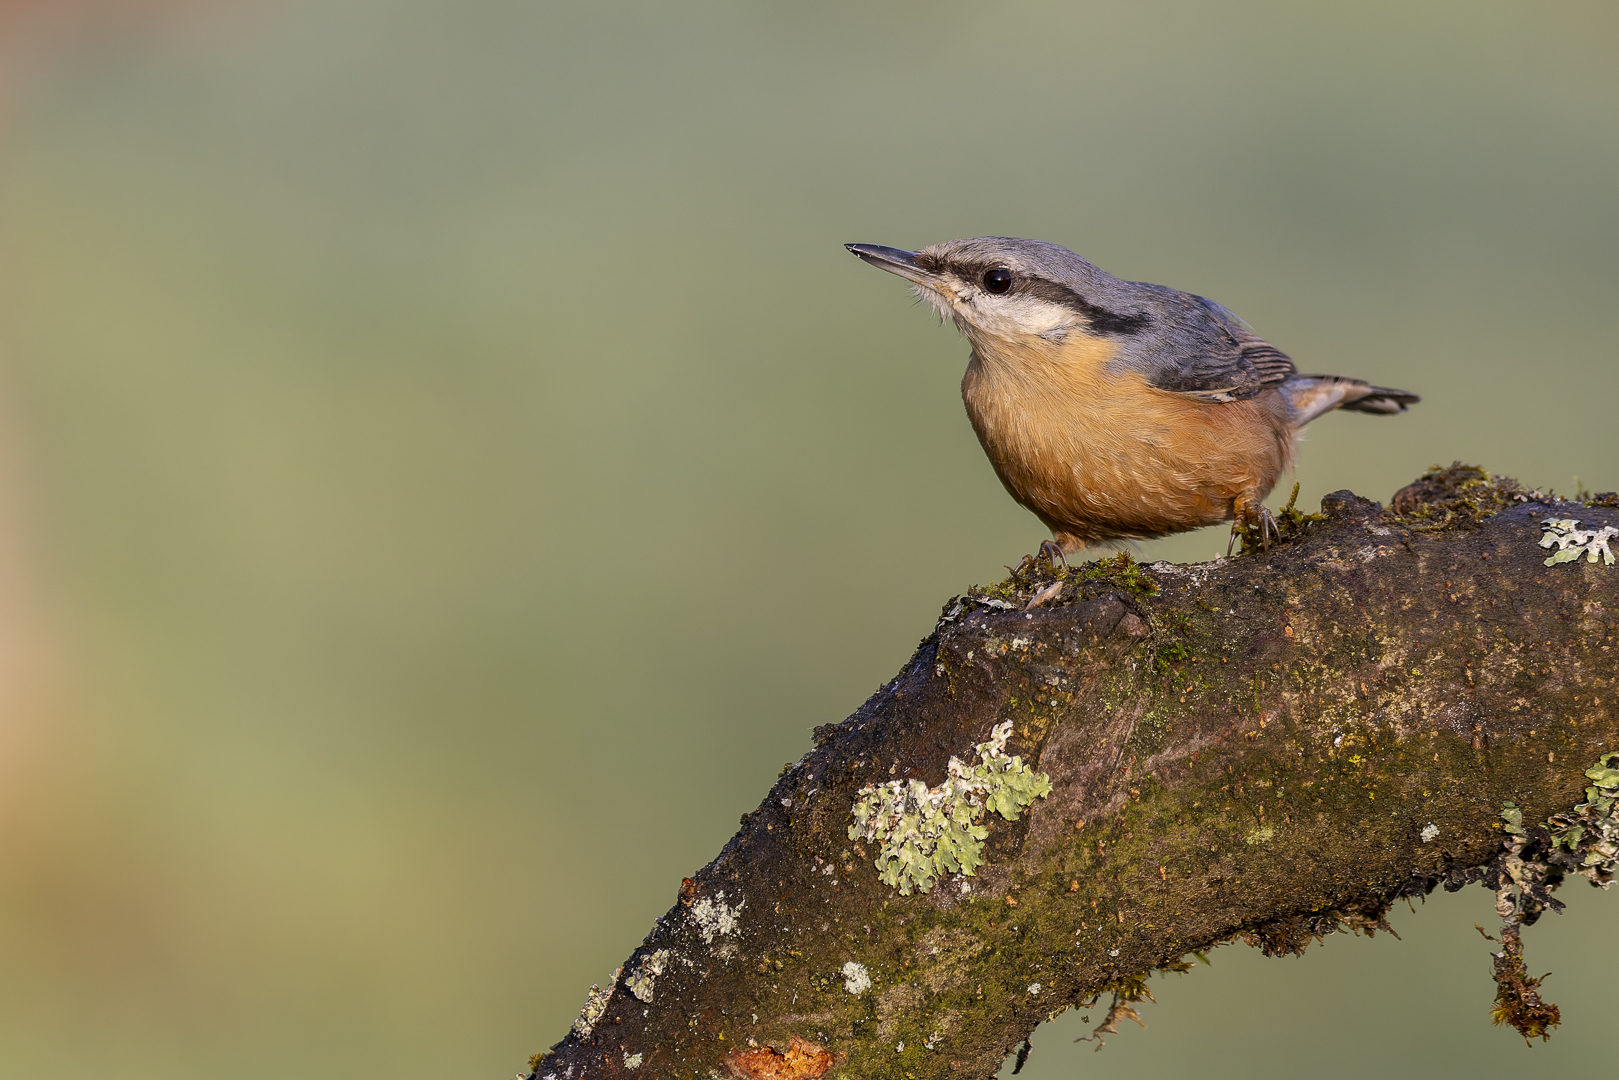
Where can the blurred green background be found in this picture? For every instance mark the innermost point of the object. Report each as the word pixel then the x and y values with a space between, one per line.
pixel 451 463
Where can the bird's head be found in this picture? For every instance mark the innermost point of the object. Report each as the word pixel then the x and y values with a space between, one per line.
pixel 994 287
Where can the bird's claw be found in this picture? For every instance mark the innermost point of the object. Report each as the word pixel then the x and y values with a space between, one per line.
pixel 1254 517
pixel 1047 558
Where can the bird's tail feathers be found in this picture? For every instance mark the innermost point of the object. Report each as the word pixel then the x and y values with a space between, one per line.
pixel 1313 395
pixel 1380 399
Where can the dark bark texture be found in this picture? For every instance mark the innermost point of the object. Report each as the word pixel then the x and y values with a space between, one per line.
pixel 1274 746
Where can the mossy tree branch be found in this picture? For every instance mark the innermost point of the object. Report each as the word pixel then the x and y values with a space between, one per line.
pixel 1272 745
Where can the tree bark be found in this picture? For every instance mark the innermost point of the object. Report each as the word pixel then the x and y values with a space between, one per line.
pixel 1273 745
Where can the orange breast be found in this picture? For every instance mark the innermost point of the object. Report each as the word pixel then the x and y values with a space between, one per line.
pixel 1100 455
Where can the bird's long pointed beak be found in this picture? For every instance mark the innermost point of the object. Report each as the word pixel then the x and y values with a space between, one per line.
pixel 895 260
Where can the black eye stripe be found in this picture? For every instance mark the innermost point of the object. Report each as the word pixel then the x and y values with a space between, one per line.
pixel 1103 320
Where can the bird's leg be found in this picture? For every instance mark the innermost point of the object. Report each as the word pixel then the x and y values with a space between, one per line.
pixel 1051 553
pixel 1249 515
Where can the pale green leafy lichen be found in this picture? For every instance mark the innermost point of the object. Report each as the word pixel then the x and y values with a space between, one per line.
pixel 927 832
pixel 1572 542
pixel 1583 841
pixel 1590 831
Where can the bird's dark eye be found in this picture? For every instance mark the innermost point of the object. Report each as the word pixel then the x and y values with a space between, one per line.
pixel 998 280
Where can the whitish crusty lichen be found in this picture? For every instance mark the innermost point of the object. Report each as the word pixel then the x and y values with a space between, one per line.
pixel 1571 541
pixel 856 979
pixel 927 832
pixel 595 1005
pixel 714 917
pixel 640 983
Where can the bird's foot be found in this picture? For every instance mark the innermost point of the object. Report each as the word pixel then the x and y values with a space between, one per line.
pixel 1253 522
pixel 1257 526
pixel 1030 566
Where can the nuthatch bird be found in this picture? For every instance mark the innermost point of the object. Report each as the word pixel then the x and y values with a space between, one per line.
pixel 1118 410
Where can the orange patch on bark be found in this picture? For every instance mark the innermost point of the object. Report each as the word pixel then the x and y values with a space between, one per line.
pixel 804 1060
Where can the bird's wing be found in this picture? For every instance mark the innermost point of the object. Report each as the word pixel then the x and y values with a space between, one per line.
pixel 1207 353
